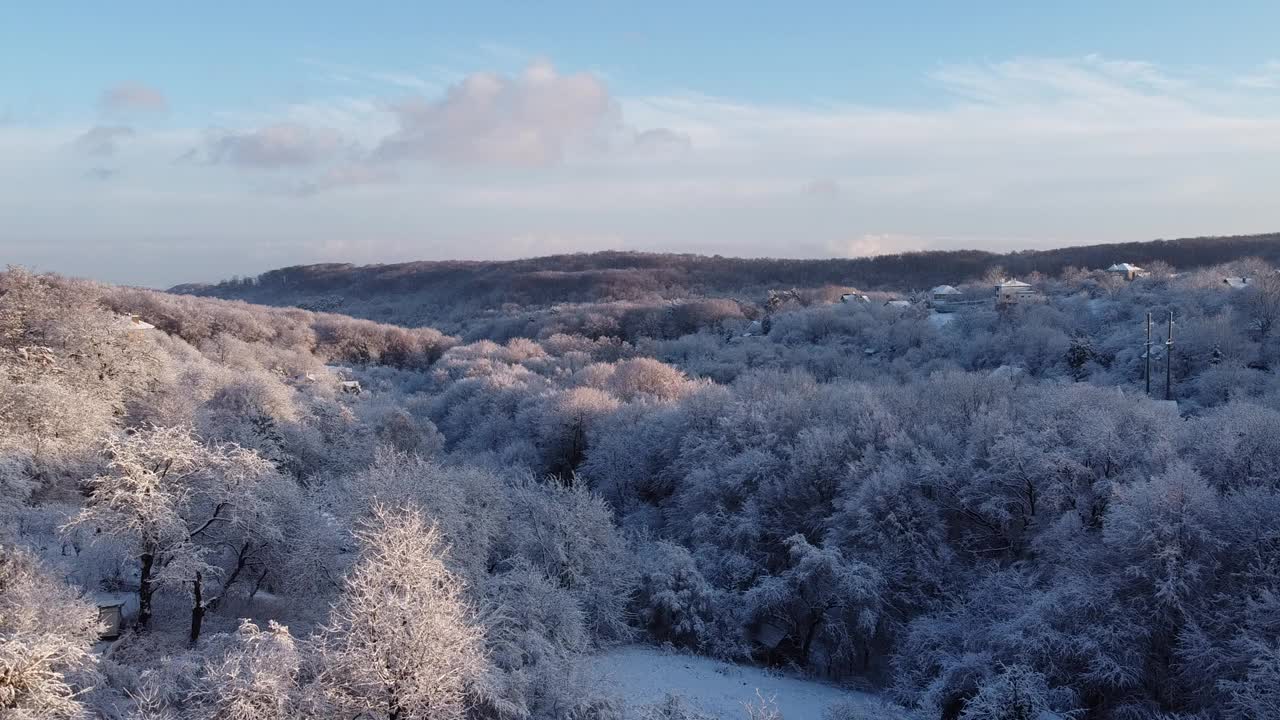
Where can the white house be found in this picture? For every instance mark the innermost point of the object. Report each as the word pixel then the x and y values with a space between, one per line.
pixel 1016 292
pixel 943 293
pixel 1127 270
pixel 133 323
pixel 944 297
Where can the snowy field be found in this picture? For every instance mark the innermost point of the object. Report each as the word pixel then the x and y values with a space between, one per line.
pixel 646 676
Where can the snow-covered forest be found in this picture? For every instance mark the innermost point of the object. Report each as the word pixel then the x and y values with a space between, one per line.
pixel 973 514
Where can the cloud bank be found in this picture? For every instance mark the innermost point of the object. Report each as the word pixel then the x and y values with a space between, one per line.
pixel 103 140
pixel 275 146
pixel 1026 152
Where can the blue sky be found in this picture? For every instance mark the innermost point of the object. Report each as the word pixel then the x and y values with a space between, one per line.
pixel 152 144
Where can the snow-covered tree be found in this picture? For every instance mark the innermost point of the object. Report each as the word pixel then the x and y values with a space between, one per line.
pixel 1017 693
pixel 822 601
pixel 257 679
pixel 172 499
pixel 401 641
pixel 46 636
pixel 567 533
pixel 1257 695
pixel 673 602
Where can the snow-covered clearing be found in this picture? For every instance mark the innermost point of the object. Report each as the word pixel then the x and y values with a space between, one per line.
pixel 941 319
pixel 646 676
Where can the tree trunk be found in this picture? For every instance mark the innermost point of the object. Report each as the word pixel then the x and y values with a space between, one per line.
pixel 242 561
pixel 197 609
pixel 145 589
pixel 809 636
pixel 258 584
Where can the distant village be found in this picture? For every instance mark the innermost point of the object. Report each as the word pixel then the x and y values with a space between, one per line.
pixel 1007 292
pixel 945 300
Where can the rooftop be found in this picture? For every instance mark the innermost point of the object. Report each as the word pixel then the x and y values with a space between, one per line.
pixel 1124 268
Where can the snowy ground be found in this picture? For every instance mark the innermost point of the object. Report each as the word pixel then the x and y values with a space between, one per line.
pixel 941 319
pixel 645 676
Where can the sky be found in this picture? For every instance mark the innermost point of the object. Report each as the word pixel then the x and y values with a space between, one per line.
pixel 152 144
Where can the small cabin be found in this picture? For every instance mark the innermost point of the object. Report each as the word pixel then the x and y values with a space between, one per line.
pixel 351 387
pixel 1016 292
pixel 1236 283
pixel 854 297
pixel 1128 271
pixel 111 620
pixel 114 612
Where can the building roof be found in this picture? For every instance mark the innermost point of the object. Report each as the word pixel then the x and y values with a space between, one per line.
pixel 133 322
pixel 127 601
pixel 1014 284
pixel 1124 268
pixel 944 290
pixel 1007 372
pixel 1236 282
pixel 898 303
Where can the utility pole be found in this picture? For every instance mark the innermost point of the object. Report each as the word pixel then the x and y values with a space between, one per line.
pixel 1147 355
pixel 1168 361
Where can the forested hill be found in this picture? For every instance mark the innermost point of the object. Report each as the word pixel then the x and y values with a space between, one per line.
pixel 441 293
pixel 975 514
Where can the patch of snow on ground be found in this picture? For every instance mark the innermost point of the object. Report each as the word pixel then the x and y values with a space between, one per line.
pixel 643 675
pixel 941 319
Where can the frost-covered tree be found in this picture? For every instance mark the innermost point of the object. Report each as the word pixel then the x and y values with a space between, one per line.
pixel 46 636
pixel 822 602
pixel 401 641
pixel 1257 695
pixel 562 429
pixel 1017 693
pixel 567 533
pixel 173 500
pixel 535 635
pixel 257 679
pixel 672 600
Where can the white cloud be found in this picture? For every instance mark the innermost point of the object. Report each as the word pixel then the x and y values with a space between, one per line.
pixel 103 140
pixel 1266 77
pixel 130 96
pixel 101 174
pixel 346 174
pixel 533 243
pixel 274 146
pixel 662 142
pixel 872 244
pixel 822 188
pixel 529 120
